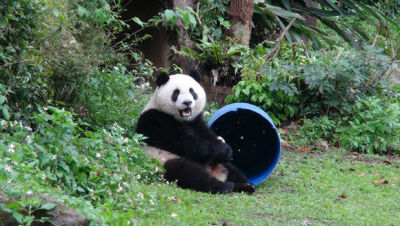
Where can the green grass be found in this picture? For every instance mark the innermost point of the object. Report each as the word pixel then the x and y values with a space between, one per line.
pixel 304 188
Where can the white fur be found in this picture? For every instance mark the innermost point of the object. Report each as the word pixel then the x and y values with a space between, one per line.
pixel 162 101
pixel 219 172
pixel 159 154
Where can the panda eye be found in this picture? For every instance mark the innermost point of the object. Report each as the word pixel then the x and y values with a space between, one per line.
pixel 194 94
pixel 175 95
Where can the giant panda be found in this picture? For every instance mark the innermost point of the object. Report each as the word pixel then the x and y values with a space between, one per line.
pixel 177 135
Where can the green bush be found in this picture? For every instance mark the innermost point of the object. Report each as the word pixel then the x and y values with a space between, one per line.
pixel 317 130
pixel 76 43
pixel 58 152
pixel 54 52
pixel 111 96
pixel 21 80
pixel 280 104
pixel 323 83
pixel 373 127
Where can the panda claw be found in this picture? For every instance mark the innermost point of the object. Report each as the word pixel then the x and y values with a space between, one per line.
pixel 244 187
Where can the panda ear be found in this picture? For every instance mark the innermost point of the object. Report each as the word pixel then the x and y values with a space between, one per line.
pixel 162 78
pixel 196 75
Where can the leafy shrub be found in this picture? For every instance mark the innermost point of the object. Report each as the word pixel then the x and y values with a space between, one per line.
pixel 211 14
pixel 333 83
pixel 279 104
pixel 53 52
pixel 323 83
pixel 373 127
pixel 111 96
pixel 20 66
pixel 76 44
pixel 318 129
pixel 59 153
pixel 211 46
pixel 188 17
pixel 213 19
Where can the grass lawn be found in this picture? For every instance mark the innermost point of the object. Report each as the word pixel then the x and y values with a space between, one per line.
pixel 305 188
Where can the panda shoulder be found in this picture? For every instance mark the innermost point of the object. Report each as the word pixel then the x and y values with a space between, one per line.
pixel 199 120
pixel 154 115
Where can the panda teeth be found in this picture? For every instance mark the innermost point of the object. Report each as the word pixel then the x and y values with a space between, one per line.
pixel 186 112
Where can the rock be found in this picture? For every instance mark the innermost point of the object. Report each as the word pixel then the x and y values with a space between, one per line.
pixel 60 214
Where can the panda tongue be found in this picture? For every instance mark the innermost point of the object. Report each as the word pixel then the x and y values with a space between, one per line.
pixel 187 112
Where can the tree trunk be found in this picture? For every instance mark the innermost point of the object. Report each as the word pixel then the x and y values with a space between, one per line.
pixel 158 48
pixel 240 15
pixel 182 39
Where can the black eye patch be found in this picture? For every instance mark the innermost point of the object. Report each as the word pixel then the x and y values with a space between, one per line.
pixel 194 94
pixel 175 95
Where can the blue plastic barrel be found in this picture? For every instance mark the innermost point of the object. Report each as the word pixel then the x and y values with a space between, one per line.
pixel 253 137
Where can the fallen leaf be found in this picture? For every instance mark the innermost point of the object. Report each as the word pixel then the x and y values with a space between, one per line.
pixel 342 196
pixel 394 178
pixel 304 149
pixel 362 174
pixel 380 182
pixel 175 199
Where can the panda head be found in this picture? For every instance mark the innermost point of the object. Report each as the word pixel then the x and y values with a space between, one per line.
pixel 179 95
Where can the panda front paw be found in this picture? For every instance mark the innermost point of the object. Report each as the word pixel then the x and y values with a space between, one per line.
pixel 222 152
pixel 244 187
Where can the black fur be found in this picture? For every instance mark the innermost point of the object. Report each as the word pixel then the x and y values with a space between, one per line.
pixel 175 95
pixel 196 75
pixel 197 145
pixel 189 174
pixel 194 94
pixel 162 78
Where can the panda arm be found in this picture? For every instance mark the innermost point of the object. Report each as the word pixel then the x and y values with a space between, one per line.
pixel 152 124
pixel 200 134
pixel 203 130
pixel 205 151
pixel 186 140
pixel 197 142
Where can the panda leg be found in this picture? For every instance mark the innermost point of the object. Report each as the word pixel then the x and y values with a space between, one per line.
pixel 238 178
pixel 192 175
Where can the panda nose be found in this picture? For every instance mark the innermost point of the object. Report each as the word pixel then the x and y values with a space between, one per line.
pixel 187 103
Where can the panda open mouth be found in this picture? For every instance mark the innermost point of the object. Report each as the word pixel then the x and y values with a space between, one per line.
pixel 186 112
